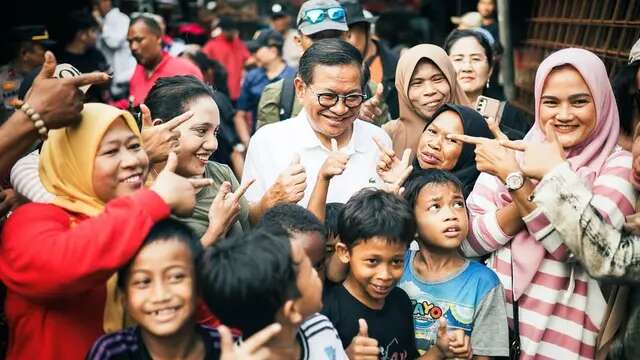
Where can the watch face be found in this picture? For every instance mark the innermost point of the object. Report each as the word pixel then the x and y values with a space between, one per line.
pixel 514 181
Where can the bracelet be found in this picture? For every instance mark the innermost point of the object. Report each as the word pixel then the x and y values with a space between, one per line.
pixel 38 123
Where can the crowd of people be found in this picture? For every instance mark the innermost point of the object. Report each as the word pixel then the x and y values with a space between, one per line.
pixel 228 199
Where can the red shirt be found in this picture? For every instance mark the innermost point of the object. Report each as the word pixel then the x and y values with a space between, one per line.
pixel 169 66
pixel 232 55
pixel 56 264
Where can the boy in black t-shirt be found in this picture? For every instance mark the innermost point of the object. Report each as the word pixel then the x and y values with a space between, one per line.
pixel 373 317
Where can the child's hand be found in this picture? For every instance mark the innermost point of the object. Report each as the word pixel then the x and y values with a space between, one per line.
pixel 335 163
pixel 452 344
pixel 390 168
pixel 251 349
pixel 363 347
pixel 225 208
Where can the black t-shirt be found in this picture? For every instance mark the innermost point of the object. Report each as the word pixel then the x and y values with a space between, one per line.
pixel 90 61
pixel 392 325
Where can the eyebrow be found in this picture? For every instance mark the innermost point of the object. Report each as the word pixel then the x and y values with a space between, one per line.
pixel 553 97
pixel 117 141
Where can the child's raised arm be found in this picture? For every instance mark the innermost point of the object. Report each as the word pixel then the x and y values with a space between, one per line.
pixel 333 166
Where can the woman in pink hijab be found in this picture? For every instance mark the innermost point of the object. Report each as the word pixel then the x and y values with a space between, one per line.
pixel 560 307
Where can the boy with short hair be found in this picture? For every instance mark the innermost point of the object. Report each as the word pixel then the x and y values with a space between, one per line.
pixel 262 277
pixel 302 227
pixel 441 283
pixel 373 316
pixel 159 287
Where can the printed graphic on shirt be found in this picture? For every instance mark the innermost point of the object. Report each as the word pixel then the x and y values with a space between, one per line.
pixel 427 309
pixel 330 351
pixel 393 351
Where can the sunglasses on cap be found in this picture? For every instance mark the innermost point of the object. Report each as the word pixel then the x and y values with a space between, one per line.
pixel 315 16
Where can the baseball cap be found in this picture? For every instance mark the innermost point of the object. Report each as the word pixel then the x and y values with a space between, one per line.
pixel 35 33
pixel 266 37
pixel 355 12
pixel 469 20
pixel 319 15
pixel 634 54
pixel 278 11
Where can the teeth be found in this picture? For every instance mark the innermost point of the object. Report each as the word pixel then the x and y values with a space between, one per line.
pixel 133 179
pixel 164 312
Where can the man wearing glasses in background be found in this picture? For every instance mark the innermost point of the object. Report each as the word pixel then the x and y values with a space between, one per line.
pixel 316 20
pixel 286 157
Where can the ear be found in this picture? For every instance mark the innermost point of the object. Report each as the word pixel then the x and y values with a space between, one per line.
pixel 290 312
pixel 343 252
pixel 299 86
pixel 490 72
pixel 297 38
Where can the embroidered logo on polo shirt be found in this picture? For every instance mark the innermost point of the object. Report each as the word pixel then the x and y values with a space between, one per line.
pixel 330 351
pixel 372 180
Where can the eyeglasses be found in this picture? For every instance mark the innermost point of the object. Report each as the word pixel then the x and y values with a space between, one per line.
pixel 315 16
pixel 329 99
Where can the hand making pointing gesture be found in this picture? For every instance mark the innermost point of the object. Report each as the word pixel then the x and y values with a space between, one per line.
pixel 224 210
pixel 491 157
pixel 162 138
pixel 391 169
pixel 539 158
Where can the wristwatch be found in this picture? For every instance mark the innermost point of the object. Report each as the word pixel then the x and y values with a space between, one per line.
pixel 239 147
pixel 514 181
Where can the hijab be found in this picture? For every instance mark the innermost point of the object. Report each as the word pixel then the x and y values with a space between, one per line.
pixel 586 159
pixel 67 157
pixel 66 170
pixel 473 124
pixel 405 132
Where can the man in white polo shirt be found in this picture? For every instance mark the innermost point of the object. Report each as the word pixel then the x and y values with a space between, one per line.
pixel 285 157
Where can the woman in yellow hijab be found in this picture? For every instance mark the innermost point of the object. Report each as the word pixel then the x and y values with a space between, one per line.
pixel 55 259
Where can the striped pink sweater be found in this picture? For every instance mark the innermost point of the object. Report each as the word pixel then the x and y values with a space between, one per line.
pixel 563 307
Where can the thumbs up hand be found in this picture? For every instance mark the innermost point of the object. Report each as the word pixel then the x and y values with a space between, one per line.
pixel 335 164
pixel 371 109
pixel 363 347
pixel 177 191
pixel 289 186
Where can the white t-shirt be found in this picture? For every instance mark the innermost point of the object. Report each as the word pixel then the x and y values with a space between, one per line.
pixel 273 147
pixel 319 340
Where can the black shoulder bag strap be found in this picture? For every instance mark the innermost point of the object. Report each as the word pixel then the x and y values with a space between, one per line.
pixel 514 334
pixel 287 96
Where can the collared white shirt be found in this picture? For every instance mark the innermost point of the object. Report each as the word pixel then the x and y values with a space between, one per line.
pixel 274 146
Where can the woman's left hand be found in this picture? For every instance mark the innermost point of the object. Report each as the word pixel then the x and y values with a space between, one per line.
pixel 491 157
pixel 539 158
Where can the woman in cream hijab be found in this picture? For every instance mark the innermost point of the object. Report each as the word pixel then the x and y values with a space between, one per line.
pixel 55 259
pixel 425 79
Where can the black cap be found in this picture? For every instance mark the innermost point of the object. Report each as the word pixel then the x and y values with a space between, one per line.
pixel 355 12
pixel 278 10
pixel 266 37
pixel 35 33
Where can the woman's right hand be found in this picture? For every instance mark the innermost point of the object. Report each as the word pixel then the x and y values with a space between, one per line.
pixel 225 209
pixel 389 167
pixel 159 140
pixel 177 191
